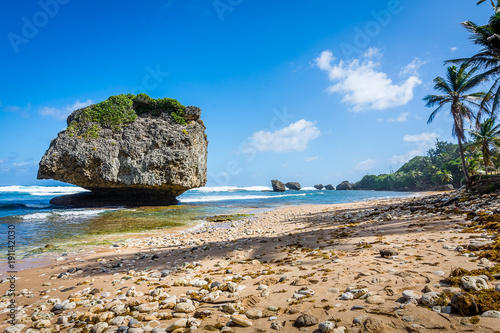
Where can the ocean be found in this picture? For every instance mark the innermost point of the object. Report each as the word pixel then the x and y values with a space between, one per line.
pixel 40 225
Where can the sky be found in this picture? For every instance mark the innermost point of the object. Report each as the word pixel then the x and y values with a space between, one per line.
pixel 315 92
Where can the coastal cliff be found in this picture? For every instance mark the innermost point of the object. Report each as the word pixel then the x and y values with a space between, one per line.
pixel 129 150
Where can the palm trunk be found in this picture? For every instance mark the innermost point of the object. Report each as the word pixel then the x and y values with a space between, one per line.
pixel 462 157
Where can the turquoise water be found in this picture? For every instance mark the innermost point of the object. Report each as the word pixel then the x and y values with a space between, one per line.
pixel 38 223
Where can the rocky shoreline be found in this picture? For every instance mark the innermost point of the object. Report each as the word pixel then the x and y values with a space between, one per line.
pixel 412 265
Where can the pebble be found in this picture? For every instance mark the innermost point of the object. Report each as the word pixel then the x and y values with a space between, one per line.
pixel 184 307
pixel 241 320
pixel 491 314
pixel 497 288
pixel 375 299
pixel 254 314
pixel 347 296
pixel 430 299
pixel 410 294
pixel 326 326
pixel 438 273
pixel 305 320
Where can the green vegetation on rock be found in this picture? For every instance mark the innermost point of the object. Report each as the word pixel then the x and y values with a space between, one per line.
pixel 120 110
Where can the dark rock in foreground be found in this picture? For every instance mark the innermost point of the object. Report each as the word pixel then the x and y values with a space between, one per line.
pixel 344 186
pixel 293 186
pixel 148 161
pixel 278 186
pixel 319 186
pixel 330 187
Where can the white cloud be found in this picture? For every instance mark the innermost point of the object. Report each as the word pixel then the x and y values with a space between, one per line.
pixel 412 68
pixel 453 49
pixel 63 113
pixel 399 119
pixel 423 137
pixel 292 138
pixel 20 164
pixel 310 159
pixel 421 142
pixel 362 85
pixel 365 165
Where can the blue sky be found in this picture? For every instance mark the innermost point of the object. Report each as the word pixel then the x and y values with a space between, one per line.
pixel 315 92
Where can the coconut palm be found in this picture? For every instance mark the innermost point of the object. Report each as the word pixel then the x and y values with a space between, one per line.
pixel 445 176
pixel 496 6
pixel 484 139
pixel 456 87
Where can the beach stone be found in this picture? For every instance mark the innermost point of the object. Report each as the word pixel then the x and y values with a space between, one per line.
pixel 375 299
pixel 430 299
pixel 99 327
pixel 169 302
pixel 241 320
pixel 15 328
pixel 254 314
pixel 491 314
pixel 134 323
pixel 357 293
pixel 410 294
pixel 122 329
pixel 464 304
pixel 387 253
pixel 42 323
pixel 497 288
pixel 305 320
pixel 184 308
pixel 199 283
pixel 117 321
pixel 347 296
pixel 135 330
pixel 473 283
pixel 276 325
pixel 359 320
pixel 326 326
pixel 181 323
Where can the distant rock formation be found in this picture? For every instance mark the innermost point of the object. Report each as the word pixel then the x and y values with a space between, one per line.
pixel 293 186
pixel 319 186
pixel 330 187
pixel 278 186
pixel 157 153
pixel 344 186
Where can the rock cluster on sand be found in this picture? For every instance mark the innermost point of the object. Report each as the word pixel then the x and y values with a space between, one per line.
pixel 149 161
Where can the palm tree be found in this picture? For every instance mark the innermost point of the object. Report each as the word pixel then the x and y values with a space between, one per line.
pixel 445 176
pixel 496 6
pixel 456 87
pixel 485 138
pixel 488 37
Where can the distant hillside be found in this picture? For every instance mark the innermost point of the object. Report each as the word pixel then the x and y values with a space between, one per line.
pixel 440 166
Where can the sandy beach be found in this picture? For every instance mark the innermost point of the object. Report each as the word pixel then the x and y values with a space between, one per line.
pixel 296 268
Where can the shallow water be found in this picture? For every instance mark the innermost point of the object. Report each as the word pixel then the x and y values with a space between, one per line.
pixel 38 223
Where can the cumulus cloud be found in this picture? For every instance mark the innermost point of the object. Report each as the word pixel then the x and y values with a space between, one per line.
pixel 453 49
pixel 63 113
pixel 421 143
pixel 365 87
pixel 295 137
pixel 365 165
pixel 310 159
pixel 399 119
pixel 412 68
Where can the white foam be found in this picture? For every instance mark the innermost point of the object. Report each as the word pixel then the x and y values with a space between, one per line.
pixel 42 190
pixel 235 197
pixel 36 216
pixel 209 189
pixel 81 212
pixel 309 189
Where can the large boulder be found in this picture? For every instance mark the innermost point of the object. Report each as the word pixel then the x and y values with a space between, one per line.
pixel 330 187
pixel 344 186
pixel 293 186
pixel 447 187
pixel 319 186
pixel 146 153
pixel 278 186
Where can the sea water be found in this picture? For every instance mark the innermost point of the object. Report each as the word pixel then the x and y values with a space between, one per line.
pixel 39 223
